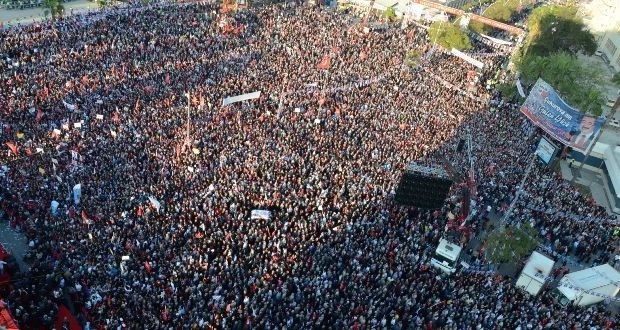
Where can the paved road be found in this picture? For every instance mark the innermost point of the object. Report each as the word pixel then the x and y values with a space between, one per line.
pixel 36 14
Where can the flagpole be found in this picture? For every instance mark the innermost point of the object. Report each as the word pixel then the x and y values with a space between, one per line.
pixel 188 108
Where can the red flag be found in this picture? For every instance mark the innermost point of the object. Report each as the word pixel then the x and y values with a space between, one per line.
pixel 12 146
pixel 137 106
pixel 39 115
pixel 363 55
pixel 147 266
pixel 167 79
pixel 28 152
pixel 115 117
pixel 164 314
pixel 325 63
pixel 140 211
pixel 84 215
pixel 410 34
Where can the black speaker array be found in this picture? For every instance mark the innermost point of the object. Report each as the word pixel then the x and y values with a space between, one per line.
pixel 422 191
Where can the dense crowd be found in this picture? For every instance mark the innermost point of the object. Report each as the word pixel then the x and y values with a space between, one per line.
pixel 323 148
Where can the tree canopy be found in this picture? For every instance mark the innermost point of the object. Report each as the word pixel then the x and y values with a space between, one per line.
pixel 53 8
pixel 558 28
pixel 510 245
pixel 501 10
pixel 449 36
pixel 577 83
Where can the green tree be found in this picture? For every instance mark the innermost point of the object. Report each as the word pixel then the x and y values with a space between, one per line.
pixel 448 36
pixel 103 3
pixel 501 10
pixel 53 8
pixel 390 14
pixel 510 245
pixel 412 59
pixel 508 91
pixel 558 28
pixel 577 83
pixel 616 78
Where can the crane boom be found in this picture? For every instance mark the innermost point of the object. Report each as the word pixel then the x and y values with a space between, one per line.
pixel 484 20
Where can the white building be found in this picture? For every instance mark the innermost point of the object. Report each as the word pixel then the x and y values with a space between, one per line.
pixel 602 17
pixel 609 45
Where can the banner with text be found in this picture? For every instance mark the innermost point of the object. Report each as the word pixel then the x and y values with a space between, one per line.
pixel 546 109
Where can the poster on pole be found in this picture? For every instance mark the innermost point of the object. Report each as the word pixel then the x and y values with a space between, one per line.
pixel 547 110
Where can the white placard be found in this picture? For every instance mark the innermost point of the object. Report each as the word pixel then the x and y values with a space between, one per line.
pixel 260 215
pixel 242 97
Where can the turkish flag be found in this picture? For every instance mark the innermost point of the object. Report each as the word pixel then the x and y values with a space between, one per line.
pixel 39 115
pixel 12 146
pixel 410 34
pixel 167 79
pixel 326 62
pixel 147 267
pixel 363 55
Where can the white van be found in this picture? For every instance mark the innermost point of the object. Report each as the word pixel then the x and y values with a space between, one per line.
pixel 536 270
pixel 446 256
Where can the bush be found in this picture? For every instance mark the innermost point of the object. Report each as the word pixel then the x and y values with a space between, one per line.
pixel 616 78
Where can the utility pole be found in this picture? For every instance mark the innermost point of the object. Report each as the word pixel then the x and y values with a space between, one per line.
pixel 519 191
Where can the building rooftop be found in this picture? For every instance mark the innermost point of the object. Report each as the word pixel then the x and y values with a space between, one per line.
pixel 601 16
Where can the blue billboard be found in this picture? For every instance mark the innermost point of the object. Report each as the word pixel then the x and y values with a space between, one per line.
pixel 547 110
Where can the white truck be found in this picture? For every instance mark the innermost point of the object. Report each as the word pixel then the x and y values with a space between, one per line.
pixel 537 268
pixel 588 286
pixel 446 256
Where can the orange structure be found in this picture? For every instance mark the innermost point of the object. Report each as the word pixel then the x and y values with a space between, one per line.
pixel 457 12
pixel 370 8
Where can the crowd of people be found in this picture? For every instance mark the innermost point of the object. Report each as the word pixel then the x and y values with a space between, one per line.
pixel 128 104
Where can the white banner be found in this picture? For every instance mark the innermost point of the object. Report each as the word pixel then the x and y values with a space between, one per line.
pixel 260 214
pixel 243 97
pixel 77 193
pixel 498 41
pixel 520 88
pixel 69 106
pixel 466 58
pixel 154 202
pixel 55 208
